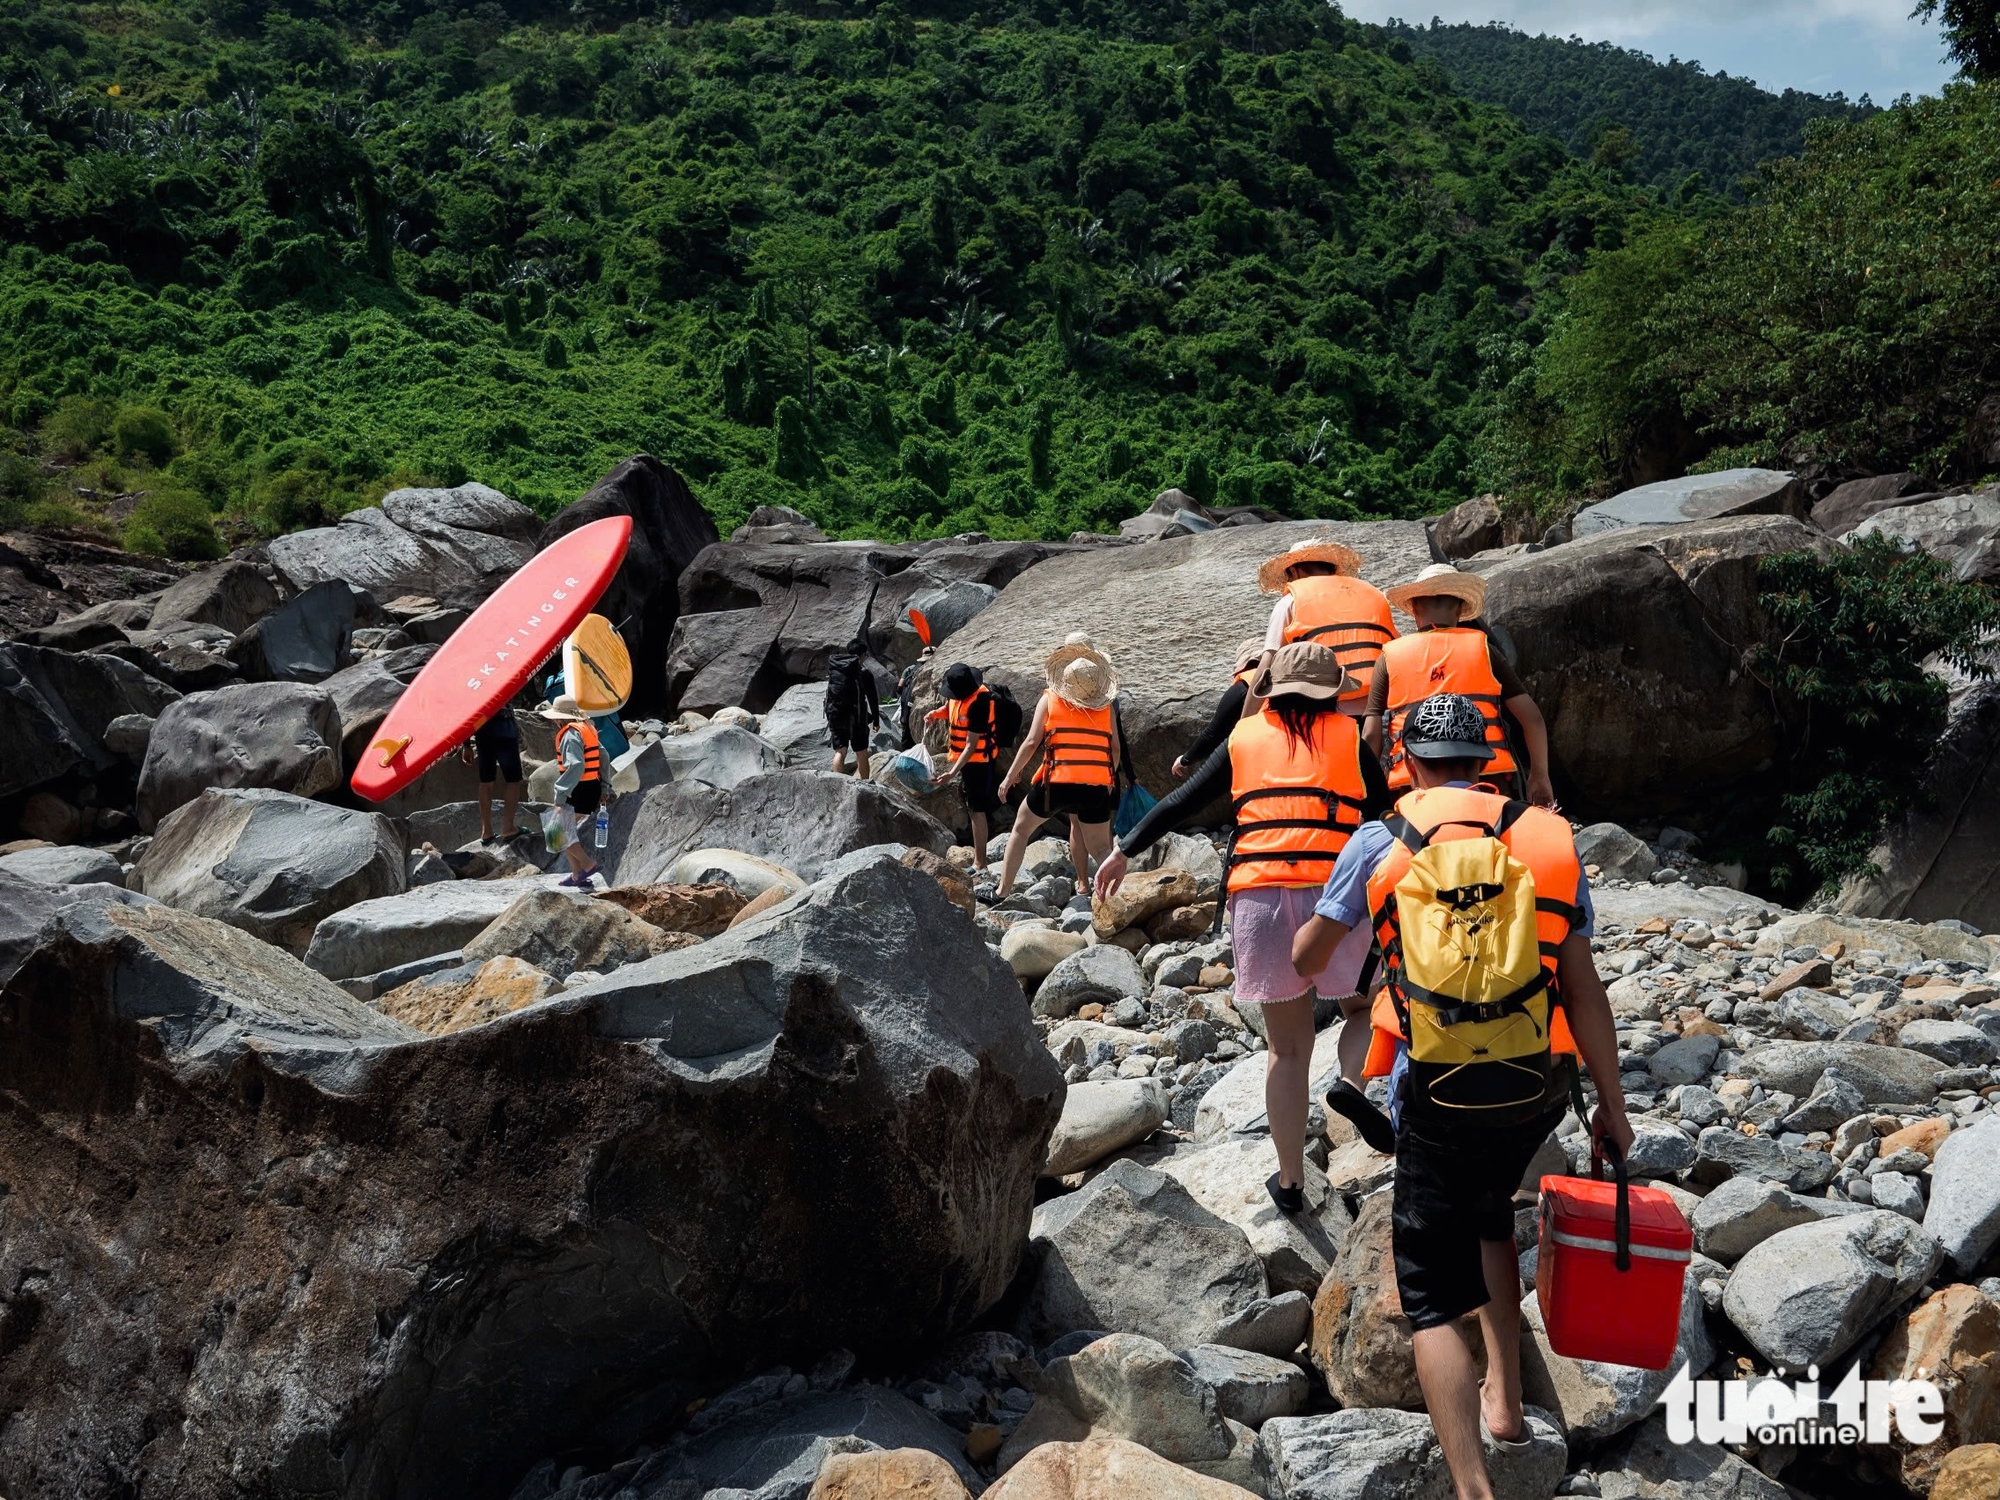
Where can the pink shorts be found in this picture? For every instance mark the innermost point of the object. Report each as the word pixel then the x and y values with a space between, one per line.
pixel 1262 922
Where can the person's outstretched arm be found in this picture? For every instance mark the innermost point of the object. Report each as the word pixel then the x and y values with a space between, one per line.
pixel 1212 780
pixel 1227 711
pixel 1031 743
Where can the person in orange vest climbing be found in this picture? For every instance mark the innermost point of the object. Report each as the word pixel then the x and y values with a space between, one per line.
pixel 1447 655
pixel 1249 658
pixel 1482 914
pixel 1322 597
pixel 1075 731
pixel 975 751
pixel 1301 781
pixel 579 784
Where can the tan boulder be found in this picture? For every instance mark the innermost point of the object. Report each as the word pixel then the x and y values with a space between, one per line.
pixel 1031 950
pixel 1953 1340
pixel 560 934
pixel 1967 1474
pixel 1182 923
pixel 1360 1340
pixel 947 874
pixel 1142 896
pixel 454 999
pixel 703 910
pixel 1923 1135
pixel 888 1474
pixel 1107 1469
pixel 757 905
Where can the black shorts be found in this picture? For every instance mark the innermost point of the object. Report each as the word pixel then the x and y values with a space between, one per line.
pixel 852 736
pixel 1068 799
pixel 1455 1188
pixel 981 780
pixel 498 759
pixel 584 800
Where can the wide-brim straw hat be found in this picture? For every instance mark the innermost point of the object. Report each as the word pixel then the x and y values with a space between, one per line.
pixel 1091 688
pixel 562 709
pixel 1306 669
pixel 1322 549
pixel 1442 580
pixel 1248 655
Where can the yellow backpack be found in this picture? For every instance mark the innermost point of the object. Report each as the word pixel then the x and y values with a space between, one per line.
pixel 1467 978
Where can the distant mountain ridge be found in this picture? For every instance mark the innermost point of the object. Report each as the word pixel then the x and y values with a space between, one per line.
pixel 1681 118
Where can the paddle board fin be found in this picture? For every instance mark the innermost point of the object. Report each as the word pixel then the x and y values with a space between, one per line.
pixel 391 749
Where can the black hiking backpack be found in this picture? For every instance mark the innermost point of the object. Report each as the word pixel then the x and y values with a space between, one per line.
pixel 1006 714
pixel 843 687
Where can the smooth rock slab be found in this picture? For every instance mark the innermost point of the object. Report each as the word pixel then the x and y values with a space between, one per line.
pixel 279 735
pixel 1953 1043
pixel 1032 952
pixel 1808 1294
pixel 1964 1211
pixel 1380 1454
pixel 390 931
pixel 1249 1388
pixel 1740 1214
pixel 1644 1465
pixel 1229 1178
pixel 1103 1117
pixel 1107 1469
pixel 65 864
pixel 1884 1075
pixel 560 933
pixel 1132 1250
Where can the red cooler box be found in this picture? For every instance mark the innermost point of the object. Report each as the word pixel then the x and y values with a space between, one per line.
pixel 1593 1309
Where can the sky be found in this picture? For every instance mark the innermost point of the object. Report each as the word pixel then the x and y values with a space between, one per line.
pixel 1853 47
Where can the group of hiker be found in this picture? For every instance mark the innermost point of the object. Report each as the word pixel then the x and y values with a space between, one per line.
pixel 1395 851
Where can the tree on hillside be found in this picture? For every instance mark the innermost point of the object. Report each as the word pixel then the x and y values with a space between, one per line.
pixel 1971 33
pixel 803 268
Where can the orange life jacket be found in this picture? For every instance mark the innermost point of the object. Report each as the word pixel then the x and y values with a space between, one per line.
pixel 1454 659
pixel 1076 745
pixel 1540 839
pixel 1296 806
pixel 1348 616
pixel 593 754
pixel 958 713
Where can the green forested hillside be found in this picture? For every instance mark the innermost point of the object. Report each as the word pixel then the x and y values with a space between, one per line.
pixel 1013 271
pixel 1670 119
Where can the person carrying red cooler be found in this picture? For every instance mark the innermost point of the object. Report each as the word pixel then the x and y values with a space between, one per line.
pixel 1483 917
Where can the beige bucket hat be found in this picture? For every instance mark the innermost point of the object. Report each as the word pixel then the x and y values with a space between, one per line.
pixel 1307 670
pixel 564 708
pixel 1248 654
pixel 1322 549
pixel 1081 675
pixel 1442 580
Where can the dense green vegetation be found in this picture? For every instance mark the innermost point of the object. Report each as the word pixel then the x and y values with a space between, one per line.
pixel 1847 320
pixel 908 274
pixel 1671 121
pixel 1857 629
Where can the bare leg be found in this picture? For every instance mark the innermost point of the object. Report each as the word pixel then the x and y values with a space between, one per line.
pixel 486 810
pixel 1025 824
pixel 1078 858
pixel 1451 1393
pixel 1354 1037
pixel 861 764
pixel 840 761
pixel 979 837
pixel 1288 1027
pixel 510 806
pixel 1500 1326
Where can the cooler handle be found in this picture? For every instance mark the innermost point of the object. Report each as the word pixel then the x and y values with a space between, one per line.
pixel 1621 1221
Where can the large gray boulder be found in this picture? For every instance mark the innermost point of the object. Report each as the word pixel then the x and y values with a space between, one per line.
pixel 799 819
pixel 1229 1177
pixel 1100 1118
pixel 1808 1294
pixel 669 530
pixel 1884 1075
pixel 26 904
pixel 1168 614
pixel 391 931
pixel 1132 1250
pixel 1847 505
pixel 759 617
pixel 1941 859
pixel 1964 1211
pixel 1697 497
pixel 379 1263
pixel 64 864
pixel 1961 530
pixel 1740 1214
pixel 720 754
pixel 455 545
pixel 55 707
pixel 796 725
pixel 1645 1464
pixel 233 595
pixel 306 639
pixel 277 735
pixel 1383 1454
pixel 1104 974
pixel 270 863
pixel 1636 645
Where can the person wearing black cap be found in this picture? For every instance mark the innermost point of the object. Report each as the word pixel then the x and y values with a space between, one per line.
pixel 1462 1143
pixel 975 750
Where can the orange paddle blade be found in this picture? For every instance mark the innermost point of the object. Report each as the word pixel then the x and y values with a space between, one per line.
pixel 921 626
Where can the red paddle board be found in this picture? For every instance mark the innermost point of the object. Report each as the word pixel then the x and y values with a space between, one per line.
pixel 487 658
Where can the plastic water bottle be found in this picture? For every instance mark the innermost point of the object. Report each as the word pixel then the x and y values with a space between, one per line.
pixel 603 825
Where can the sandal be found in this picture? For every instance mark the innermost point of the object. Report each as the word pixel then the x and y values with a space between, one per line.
pixel 1347 1101
pixel 1520 1444
pixel 1290 1200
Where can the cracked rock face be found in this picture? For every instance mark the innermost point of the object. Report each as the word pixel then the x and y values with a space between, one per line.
pixel 258 1237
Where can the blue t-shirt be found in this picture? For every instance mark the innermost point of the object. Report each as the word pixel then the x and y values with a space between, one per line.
pixel 1345 900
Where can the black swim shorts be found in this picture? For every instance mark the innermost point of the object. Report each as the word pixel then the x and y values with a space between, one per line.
pixel 1068 799
pixel 981 780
